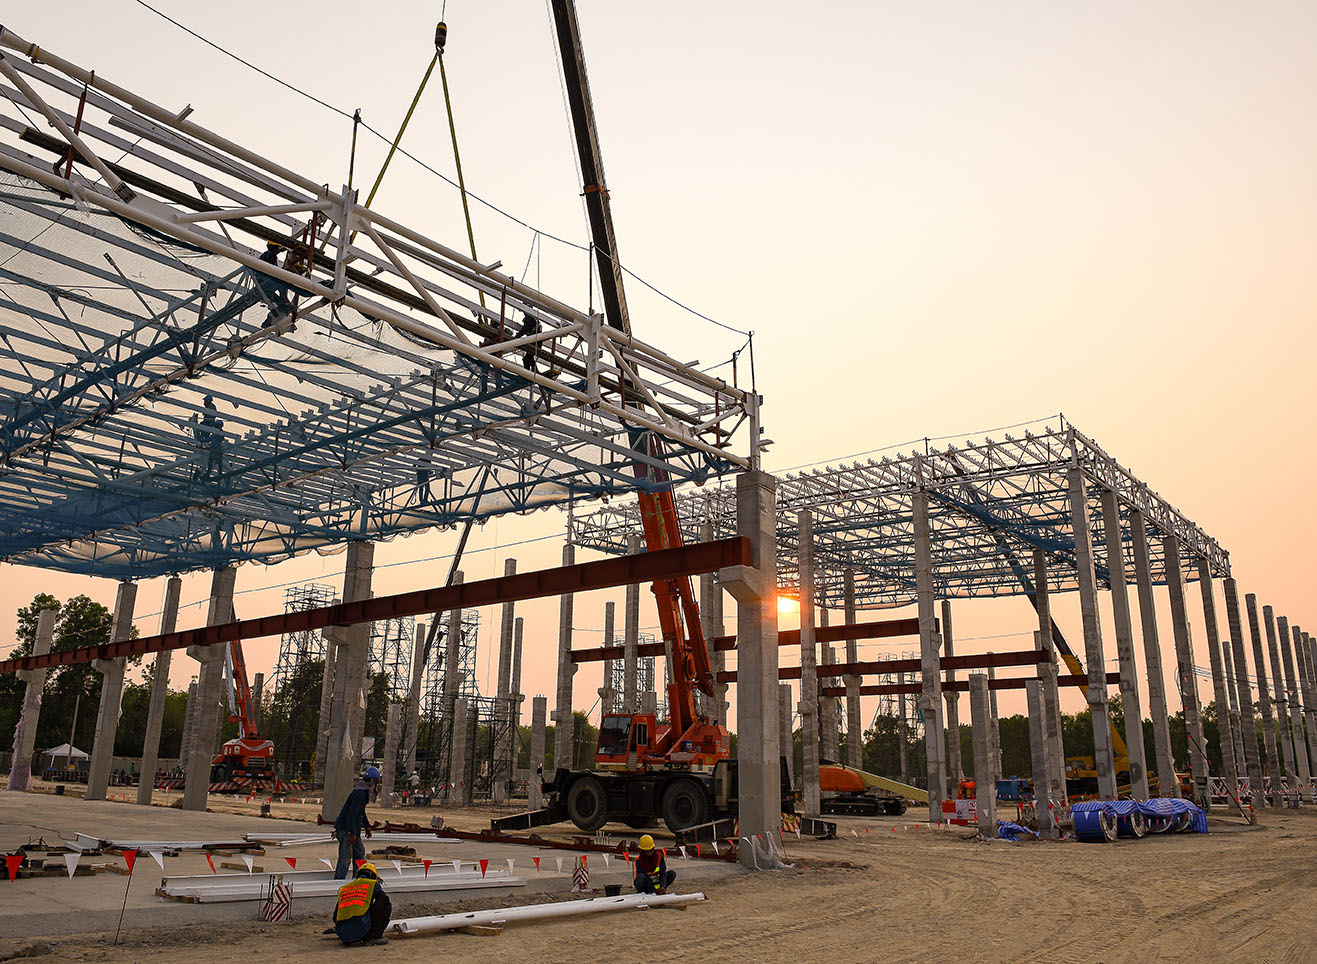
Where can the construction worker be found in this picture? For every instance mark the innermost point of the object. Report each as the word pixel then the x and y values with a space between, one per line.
pixel 274 290
pixel 352 822
pixel 363 909
pixel 652 874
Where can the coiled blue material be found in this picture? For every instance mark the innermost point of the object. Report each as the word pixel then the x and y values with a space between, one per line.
pixel 1093 824
pixel 1160 813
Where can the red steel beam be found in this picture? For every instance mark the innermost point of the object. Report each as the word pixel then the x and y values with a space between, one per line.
pixel 884 667
pixel 959 686
pixel 691 560
pixel 881 629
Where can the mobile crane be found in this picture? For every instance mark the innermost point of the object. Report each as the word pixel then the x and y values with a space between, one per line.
pixel 248 759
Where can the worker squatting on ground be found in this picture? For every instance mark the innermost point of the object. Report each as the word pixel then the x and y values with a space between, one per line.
pixel 652 874
pixel 352 822
pixel 363 909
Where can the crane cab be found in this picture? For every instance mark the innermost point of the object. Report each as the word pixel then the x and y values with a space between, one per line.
pixel 625 739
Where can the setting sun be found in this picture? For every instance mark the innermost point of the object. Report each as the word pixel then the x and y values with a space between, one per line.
pixel 785 604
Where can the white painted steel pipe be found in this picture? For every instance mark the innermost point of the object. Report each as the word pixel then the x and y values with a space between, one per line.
pixel 571 908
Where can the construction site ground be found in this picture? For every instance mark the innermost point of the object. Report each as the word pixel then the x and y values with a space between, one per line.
pixel 887 890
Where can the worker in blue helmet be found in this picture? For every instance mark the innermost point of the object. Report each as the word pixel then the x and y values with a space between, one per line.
pixel 352 822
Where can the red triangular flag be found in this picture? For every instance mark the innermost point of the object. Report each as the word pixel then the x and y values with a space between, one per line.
pixel 697 850
pixel 210 860
pixel 582 860
pixel 359 863
pixel 249 798
pixel 427 866
pixel 13 862
pixel 130 858
pixel 291 862
pixel 537 864
pixel 484 865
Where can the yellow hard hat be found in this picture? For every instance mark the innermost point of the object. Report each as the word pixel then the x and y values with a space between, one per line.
pixel 368 866
pixel 646 842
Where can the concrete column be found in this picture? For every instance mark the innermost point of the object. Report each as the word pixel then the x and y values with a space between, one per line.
pixel 1247 722
pixel 1229 770
pixel 258 694
pixel 854 720
pixel 1295 700
pixel 809 682
pixel 25 735
pixel 1129 667
pixel 1185 678
pixel 1228 660
pixel 503 704
pixel 210 682
pixel 1097 663
pixel 412 708
pixel 348 711
pixel 389 764
pixel 449 762
pixel 112 672
pixel 755 589
pixel 155 715
pixel 1283 707
pixel 562 714
pixel 903 732
pixel 607 698
pixel 785 732
pixel 1264 699
pixel 711 620
pixel 930 701
pixel 535 794
pixel 324 720
pixel 1307 695
pixel 993 721
pixel 985 769
pixel 631 637
pixel 517 696
pixel 459 774
pixel 829 746
pixel 1040 751
pixel 1168 785
pixel 955 767
pixel 189 715
pixel 1050 689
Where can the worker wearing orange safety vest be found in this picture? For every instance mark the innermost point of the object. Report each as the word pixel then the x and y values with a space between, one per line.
pixel 652 874
pixel 363 909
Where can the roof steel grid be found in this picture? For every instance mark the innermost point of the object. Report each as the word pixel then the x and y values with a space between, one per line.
pixel 160 412
pixel 991 504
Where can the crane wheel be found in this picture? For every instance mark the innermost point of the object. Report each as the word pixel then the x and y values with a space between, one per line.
pixel 685 805
pixel 587 804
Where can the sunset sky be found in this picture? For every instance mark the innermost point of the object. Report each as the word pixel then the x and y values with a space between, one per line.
pixel 937 218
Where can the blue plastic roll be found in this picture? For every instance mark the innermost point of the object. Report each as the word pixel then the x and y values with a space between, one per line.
pixel 1094 826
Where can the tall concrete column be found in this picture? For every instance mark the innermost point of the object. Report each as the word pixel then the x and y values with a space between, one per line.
pixel 1129 667
pixel 155 715
pixel 993 719
pixel 711 621
pixel 210 682
pixel 854 721
pixel 412 708
pixel 453 679
pixel 1040 751
pixel 1168 785
pixel 538 713
pixel 785 731
pixel 607 697
pixel 324 721
pixel 829 744
pixel 258 695
pixel 985 770
pixel 1229 770
pixel 1247 722
pixel 809 682
pixel 517 696
pixel 1264 699
pixel 1097 662
pixel 631 637
pixel 902 732
pixel 955 767
pixel 348 711
pixel 1228 661
pixel 1307 695
pixel 25 735
pixel 930 701
pixel 562 714
pixel 503 704
pixel 1050 690
pixel 1283 707
pixel 459 775
pixel 112 672
pixel 389 767
pixel 189 716
pixel 1295 700
pixel 1185 676
pixel 755 589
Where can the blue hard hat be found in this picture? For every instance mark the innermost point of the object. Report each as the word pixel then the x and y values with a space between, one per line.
pixel 372 773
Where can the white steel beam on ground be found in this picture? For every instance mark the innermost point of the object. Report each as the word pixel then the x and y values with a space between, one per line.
pixel 592 905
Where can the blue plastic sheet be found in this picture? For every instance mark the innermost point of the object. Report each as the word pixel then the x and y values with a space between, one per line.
pixel 1012 831
pixel 1158 807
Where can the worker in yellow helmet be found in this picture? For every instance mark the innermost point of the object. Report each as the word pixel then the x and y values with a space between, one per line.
pixel 363 909
pixel 652 874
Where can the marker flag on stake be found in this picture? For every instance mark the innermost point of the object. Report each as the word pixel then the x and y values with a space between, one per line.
pixel 559 860
pixel 484 865
pixel 606 862
pixel 697 850
pixel 248 861
pixel 158 858
pixel 511 864
pixel 397 865
pixel 12 863
pixel 359 863
pixel 130 858
pixel 537 864
pixel 584 862
pixel 291 862
pixel 427 864
pixel 211 860
pixel 715 846
pixel 457 866
pixel 71 862
pixel 683 854
pixel 327 862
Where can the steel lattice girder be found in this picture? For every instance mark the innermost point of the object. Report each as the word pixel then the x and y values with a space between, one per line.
pixel 991 504
pixel 160 411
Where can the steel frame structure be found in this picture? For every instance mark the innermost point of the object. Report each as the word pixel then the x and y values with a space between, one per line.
pixel 169 401
pixel 991 504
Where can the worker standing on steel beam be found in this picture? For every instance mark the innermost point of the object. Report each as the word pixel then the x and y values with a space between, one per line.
pixel 352 822
pixel 363 909
pixel 274 290
pixel 652 874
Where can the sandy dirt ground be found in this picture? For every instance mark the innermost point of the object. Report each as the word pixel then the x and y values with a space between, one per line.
pixel 886 891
